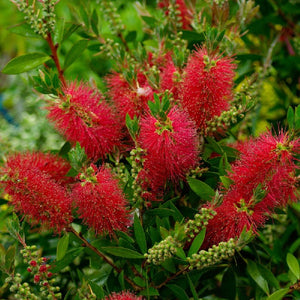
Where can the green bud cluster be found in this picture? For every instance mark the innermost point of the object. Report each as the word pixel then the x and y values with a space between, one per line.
pixel 162 251
pixel 226 118
pixel 42 23
pixel 212 256
pixel 20 290
pixel 112 17
pixel 120 171
pixel 137 160
pixel 174 15
pixel 193 227
pixel 197 172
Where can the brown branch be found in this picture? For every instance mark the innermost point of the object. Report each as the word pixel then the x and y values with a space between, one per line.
pixel 54 56
pixel 171 278
pixel 103 256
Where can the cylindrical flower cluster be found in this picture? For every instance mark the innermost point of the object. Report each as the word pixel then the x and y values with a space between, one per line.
pixel 214 255
pixel 162 251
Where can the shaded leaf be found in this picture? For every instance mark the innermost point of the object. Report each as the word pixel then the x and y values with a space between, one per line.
pixel 75 52
pixel 278 295
pixel 256 276
pixel 62 247
pixel 203 190
pixel 122 252
pixel 178 291
pixel 139 234
pixel 197 242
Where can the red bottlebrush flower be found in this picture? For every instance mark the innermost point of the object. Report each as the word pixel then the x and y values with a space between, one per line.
pixel 82 116
pixel 207 84
pixel 36 278
pixel 50 164
pixel 129 98
pixel 185 14
pixel 171 146
pixel 269 161
pixel 34 192
pixel 263 179
pixel 101 202
pixel 169 78
pixel 125 295
pixel 33 263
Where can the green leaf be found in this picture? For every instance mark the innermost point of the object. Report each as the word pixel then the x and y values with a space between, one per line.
pixel 297 117
pixel 75 52
pixel 197 242
pixel 122 252
pixel 59 30
pixel 203 190
pixel 139 234
pixel 77 157
pixel 151 291
pixel 290 117
pixel 278 295
pixel 98 290
pixel 25 63
pixel 293 265
pixel 256 276
pixel 10 258
pixel 228 285
pixel 192 288
pixel 226 181
pixel 62 247
pixel 178 291
pixel 67 259
pixel 269 276
pixel 94 22
pixel 69 30
pixel 24 30
pixel 160 212
pixel 13 226
pixel 180 253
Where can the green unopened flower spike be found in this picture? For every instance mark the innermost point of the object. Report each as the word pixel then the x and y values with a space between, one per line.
pixel 162 251
pixel 213 255
pixel 200 221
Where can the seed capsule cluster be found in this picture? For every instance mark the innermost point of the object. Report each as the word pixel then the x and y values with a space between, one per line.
pixel 193 227
pixel 162 251
pixel 212 256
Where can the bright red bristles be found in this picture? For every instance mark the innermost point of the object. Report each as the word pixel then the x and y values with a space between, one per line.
pixel 262 179
pixel 101 203
pixel 171 147
pixel 125 295
pixel 82 115
pixel 128 98
pixel 33 184
pixel 207 86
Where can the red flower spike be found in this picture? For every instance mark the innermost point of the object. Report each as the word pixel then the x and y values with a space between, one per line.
pixel 207 86
pixel 83 116
pixel 35 193
pixel 125 295
pixel 29 270
pixel 101 203
pixel 49 274
pixel 171 147
pixel 129 98
pixel 266 166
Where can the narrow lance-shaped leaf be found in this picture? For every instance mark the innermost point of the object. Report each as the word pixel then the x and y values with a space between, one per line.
pixel 139 234
pixel 293 265
pixel 75 52
pixel 25 63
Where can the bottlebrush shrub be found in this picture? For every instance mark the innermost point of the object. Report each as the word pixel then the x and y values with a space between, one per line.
pixel 148 198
